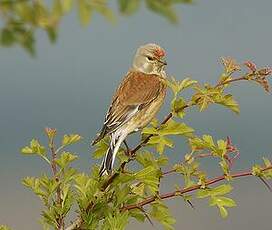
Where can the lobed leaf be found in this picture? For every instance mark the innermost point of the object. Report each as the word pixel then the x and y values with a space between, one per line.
pixel 160 212
pixel 70 139
pixel 34 148
pixel 65 159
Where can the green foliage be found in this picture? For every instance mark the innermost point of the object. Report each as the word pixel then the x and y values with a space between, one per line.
pixel 3 227
pixel 101 148
pixel 268 173
pixel 65 159
pixel 109 202
pixel 160 212
pixel 54 191
pixel 128 7
pixel 70 139
pixel 217 198
pixel 149 176
pixel 21 19
pixel 207 143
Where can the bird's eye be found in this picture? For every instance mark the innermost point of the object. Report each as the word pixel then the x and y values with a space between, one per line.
pixel 150 58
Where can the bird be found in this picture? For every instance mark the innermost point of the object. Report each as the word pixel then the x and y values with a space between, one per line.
pixel 136 101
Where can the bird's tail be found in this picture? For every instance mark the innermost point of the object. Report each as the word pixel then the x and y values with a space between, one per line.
pixel 108 161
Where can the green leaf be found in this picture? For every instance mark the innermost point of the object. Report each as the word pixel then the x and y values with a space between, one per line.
pixel 178 86
pixel 267 162
pixel 174 85
pixel 219 190
pixel 122 194
pixel 27 150
pixel 137 214
pixel 162 160
pixel 229 102
pixel 209 143
pixel 70 139
pixel 26 39
pixel 150 177
pixel 67 199
pixel 49 185
pixel 4 227
pixel 223 212
pixel 257 170
pixel 138 189
pixel 29 181
pixel 150 130
pixel 267 173
pixel 85 12
pixel 67 5
pixel 104 10
pixel 178 105
pixel 101 149
pixel 205 96
pixel 174 128
pixel 222 147
pixel 128 7
pixel 163 8
pixel 86 188
pixel 52 34
pixel 145 158
pixel 65 159
pixel 7 37
pixel 160 212
pixel 69 174
pixel 34 148
pixel 216 198
pixel 116 221
pixel 222 201
pixel 186 83
pixel 203 193
pixel 161 142
pixel 35 185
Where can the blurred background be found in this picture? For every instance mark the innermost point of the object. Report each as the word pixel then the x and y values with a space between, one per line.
pixel 68 85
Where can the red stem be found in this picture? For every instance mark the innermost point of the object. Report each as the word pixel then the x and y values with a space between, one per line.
pixel 151 199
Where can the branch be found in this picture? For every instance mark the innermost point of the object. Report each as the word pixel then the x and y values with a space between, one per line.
pixel 48 131
pixel 151 199
pixel 244 77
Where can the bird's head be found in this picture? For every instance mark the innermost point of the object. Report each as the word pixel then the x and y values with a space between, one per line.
pixel 149 59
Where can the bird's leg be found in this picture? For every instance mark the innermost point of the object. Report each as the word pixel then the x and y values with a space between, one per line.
pixel 127 152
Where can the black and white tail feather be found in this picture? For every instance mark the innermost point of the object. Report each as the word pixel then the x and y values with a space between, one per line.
pixel 118 134
pixel 117 138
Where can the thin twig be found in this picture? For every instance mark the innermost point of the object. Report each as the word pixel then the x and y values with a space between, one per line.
pixel 151 199
pixel 242 78
pixel 60 220
pixel 266 183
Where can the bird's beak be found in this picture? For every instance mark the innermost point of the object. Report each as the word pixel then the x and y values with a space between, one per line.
pixel 163 62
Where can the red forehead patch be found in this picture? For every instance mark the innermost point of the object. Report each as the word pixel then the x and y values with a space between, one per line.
pixel 159 53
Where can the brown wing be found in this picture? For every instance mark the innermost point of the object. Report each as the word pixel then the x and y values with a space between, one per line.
pixel 135 92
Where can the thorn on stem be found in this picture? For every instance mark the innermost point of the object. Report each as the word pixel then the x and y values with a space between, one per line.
pixel 266 183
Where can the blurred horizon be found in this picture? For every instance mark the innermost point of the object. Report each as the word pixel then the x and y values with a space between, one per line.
pixel 69 85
